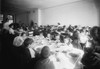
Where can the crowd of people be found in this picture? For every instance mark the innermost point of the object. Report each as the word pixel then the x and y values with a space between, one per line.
pixel 50 46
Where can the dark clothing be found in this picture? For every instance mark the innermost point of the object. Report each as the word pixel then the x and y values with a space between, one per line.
pixel 53 35
pixel 44 64
pixel 91 61
pixel 97 49
pixel 44 33
pixel 36 32
pixel 22 57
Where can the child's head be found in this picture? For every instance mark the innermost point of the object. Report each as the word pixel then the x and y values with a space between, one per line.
pixel 28 41
pixel 45 52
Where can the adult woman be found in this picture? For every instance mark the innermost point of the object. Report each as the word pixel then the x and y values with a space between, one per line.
pixel 91 58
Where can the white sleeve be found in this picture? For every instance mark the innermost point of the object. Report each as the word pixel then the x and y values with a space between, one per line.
pixel 32 53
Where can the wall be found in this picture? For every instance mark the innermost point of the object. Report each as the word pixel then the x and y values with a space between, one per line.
pixel 23 17
pixel 33 15
pixel 27 17
pixel 39 16
pixel 0 6
pixel 77 13
pixel 97 3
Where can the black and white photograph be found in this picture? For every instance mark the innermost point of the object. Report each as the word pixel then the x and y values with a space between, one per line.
pixel 49 34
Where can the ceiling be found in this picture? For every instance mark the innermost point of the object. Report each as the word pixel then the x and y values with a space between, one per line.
pixel 22 4
pixel 15 5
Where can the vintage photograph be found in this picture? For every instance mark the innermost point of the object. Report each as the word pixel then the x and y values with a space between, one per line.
pixel 50 34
